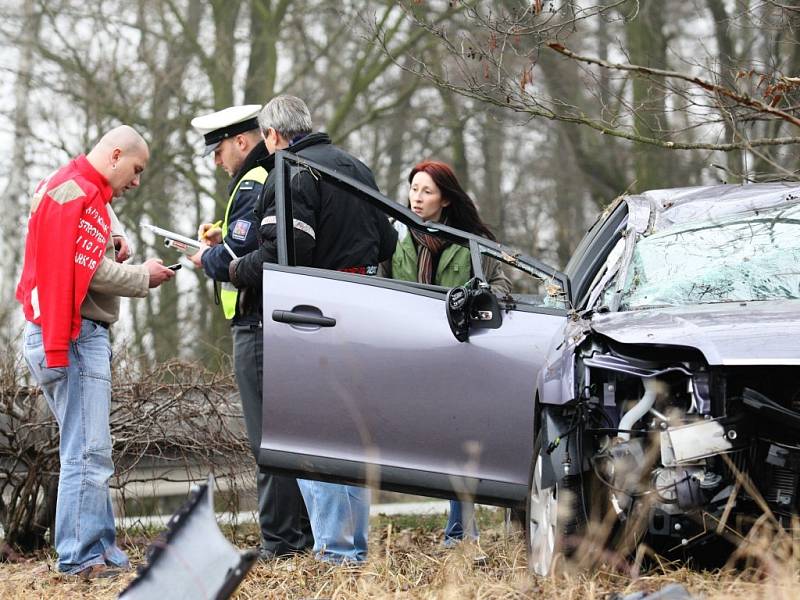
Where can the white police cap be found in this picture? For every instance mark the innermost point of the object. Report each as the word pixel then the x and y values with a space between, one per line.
pixel 226 123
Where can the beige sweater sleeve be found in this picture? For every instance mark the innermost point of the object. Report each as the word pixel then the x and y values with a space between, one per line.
pixel 110 281
pixel 117 279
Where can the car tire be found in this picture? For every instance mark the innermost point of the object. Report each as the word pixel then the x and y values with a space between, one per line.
pixel 554 516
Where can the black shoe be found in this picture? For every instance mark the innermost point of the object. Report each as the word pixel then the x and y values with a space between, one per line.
pixel 266 555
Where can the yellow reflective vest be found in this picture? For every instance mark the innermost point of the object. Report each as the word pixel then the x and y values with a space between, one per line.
pixel 228 293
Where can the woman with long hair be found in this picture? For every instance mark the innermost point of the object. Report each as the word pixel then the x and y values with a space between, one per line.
pixel 436 195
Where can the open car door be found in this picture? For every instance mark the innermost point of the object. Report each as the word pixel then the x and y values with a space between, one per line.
pixel 365 380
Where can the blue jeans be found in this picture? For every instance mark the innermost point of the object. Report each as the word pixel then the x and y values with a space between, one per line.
pixel 80 398
pixel 339 517
pixel 461 513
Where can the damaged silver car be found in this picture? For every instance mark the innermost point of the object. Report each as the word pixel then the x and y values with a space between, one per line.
pixel 657 379
pixel 675 397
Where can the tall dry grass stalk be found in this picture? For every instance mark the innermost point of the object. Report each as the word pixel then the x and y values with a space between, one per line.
pixel 409 562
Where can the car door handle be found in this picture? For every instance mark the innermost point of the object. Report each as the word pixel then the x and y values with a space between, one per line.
pixel 296 318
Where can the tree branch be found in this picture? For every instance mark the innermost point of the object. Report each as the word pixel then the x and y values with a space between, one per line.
pixel 742 99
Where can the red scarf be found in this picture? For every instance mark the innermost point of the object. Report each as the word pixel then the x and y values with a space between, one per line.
pixel 429 248
pixel 68 231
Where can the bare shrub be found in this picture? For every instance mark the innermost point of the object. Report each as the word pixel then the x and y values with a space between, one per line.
pixel 176 415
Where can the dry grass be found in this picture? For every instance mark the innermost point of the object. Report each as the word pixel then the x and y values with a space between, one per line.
pixel 407 560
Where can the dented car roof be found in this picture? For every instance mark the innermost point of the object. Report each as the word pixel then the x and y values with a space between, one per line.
pixel 682 205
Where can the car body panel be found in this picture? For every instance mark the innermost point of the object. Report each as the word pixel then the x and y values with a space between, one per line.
pixel 739 333
pixel 556 381
pixel 389 385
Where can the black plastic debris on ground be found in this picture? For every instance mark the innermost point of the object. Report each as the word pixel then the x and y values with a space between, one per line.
pixel 192 560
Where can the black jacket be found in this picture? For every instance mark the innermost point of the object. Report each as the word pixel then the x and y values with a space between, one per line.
pixel 242 230
pixel 334 228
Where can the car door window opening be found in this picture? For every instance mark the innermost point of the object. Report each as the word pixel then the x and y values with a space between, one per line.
pixel 554 284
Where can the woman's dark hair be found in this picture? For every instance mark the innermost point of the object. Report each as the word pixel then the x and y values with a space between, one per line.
pixel 461 212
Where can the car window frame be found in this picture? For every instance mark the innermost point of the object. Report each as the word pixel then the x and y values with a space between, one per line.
pixel 478 246
pixel 592 252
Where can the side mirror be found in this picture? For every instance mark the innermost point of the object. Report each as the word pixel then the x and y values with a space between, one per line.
pixel 457 306
pixel 472 305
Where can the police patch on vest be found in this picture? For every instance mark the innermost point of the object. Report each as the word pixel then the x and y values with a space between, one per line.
pixel 247 185
pixel 240 229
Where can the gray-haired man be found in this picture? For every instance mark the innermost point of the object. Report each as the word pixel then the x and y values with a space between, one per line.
pixel 232 135
pixel 333 230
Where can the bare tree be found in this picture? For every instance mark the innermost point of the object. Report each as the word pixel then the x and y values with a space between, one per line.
pixel 15 191
pixel 658 90
pixel 543 108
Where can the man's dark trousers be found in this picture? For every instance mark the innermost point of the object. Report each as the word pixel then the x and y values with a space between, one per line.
pixel 285 527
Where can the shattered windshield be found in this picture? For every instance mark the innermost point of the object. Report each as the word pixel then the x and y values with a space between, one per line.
pixel 748 257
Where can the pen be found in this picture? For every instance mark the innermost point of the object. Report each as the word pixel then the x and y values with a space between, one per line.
pixel 213 225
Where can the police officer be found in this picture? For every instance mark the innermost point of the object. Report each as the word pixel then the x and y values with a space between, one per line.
pixel 233 136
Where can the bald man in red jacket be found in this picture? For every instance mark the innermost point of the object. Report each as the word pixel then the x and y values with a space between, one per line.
pixel 69 290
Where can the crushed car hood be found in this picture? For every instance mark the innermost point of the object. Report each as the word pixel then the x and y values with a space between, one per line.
pixel 740 333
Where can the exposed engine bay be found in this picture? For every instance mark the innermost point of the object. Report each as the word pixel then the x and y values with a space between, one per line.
pixel 690 451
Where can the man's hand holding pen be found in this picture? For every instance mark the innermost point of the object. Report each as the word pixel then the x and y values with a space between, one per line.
pixel 211 235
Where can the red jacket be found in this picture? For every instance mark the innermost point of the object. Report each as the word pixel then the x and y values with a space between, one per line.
pixel 68 231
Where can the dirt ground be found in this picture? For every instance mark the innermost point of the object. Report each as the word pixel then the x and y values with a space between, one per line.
pixel 407 560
